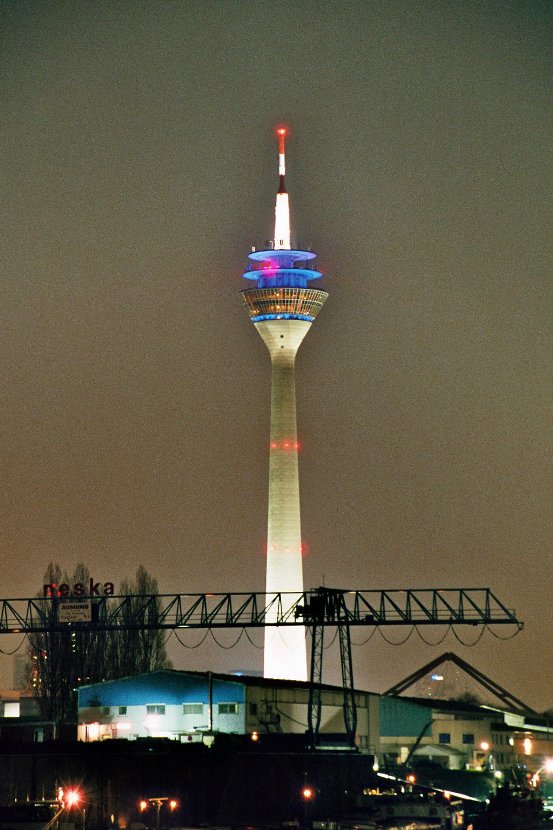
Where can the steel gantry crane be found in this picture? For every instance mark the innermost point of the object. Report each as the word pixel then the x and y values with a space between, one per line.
pixel 317 609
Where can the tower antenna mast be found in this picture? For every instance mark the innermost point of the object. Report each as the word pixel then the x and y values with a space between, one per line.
pixel 282 207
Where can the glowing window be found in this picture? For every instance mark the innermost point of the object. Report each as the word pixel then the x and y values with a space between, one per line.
pixel 11 709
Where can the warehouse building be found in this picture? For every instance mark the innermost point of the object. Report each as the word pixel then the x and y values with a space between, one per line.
pixel 192 706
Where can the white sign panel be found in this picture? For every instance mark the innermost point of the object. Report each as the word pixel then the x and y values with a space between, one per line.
pixel 71 612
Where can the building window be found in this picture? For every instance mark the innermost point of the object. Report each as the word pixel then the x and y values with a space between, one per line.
pixel 122 710
pixel 253 708
pixel 228 708
pixel 468 738
pixel 155 709
pixel 192 708
pixel 11 709
pixel 105 711
pixel 444 738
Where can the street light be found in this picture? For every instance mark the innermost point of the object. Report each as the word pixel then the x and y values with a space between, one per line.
pixel 72 798
pixel 157 801
pixel 547 767
pixel 67 800
pixel 307 794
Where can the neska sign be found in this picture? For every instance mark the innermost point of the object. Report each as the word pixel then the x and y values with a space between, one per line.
pixel 95 589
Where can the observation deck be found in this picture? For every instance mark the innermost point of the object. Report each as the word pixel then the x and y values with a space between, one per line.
pixel 282 291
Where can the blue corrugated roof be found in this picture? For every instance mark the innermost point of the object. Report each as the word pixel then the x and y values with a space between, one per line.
pixel 165 686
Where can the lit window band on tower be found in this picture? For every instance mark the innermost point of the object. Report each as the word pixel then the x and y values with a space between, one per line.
pixel 282 308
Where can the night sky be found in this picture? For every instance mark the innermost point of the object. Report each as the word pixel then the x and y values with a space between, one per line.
pixel 138 168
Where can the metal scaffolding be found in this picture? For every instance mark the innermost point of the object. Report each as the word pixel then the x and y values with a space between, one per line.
pixel 419 607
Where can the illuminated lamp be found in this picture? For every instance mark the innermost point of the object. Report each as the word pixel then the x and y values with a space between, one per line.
pixel 72 798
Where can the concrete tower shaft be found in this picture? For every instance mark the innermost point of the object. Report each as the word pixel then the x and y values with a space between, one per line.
pixel 285 654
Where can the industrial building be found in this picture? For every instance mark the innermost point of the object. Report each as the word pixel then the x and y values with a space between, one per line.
pixel 450 713
pixel 402 731
pixel 193 706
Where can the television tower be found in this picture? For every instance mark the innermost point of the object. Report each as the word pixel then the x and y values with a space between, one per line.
pixel 282 308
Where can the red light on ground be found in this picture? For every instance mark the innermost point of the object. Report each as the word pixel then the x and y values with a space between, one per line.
pixel 281 131
pixel 411 779
pixel 307 793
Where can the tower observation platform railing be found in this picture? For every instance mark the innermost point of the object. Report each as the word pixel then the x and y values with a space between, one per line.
pixel 280 303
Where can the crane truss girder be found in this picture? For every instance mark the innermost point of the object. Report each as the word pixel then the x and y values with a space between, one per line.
pixel 323 606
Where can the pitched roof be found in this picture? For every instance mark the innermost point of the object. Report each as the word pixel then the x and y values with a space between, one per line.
pixel 505 698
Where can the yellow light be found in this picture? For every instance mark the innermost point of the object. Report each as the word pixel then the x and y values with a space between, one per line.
pixel 484 746
pixel 143 806
pixel 527 744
